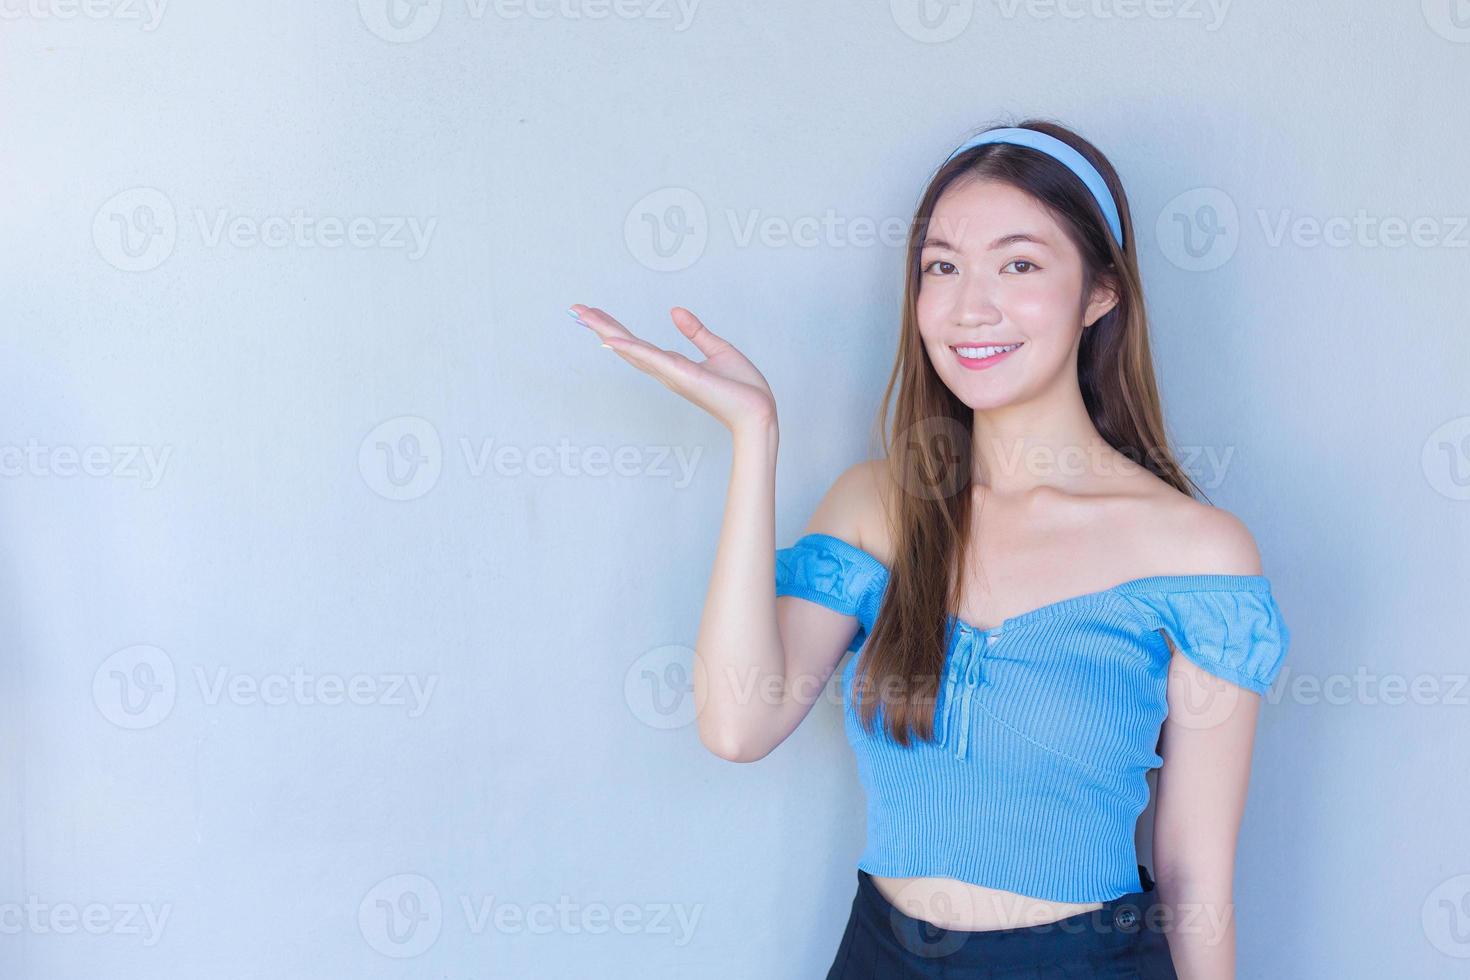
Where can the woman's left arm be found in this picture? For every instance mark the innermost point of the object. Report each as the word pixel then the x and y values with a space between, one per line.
pixel 1206 743
pixel 1206 746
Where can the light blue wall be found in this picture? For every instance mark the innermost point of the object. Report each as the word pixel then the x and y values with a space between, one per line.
pixel 197 429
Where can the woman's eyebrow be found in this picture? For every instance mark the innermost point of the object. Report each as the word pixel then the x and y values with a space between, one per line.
pixel 1001 242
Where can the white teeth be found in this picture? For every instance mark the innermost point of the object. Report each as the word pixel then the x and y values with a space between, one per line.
pixel 984 351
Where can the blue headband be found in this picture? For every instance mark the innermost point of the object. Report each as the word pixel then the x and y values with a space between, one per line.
pixel 1069 157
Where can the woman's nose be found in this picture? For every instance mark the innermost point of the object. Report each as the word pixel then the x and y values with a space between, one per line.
pixel 976 304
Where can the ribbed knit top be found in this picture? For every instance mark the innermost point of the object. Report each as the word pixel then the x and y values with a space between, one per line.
pixel 1045 725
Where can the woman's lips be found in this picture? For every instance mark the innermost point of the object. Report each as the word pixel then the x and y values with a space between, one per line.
pixel 981 363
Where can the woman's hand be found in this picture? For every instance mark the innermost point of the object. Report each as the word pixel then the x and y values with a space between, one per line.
pixel 725 383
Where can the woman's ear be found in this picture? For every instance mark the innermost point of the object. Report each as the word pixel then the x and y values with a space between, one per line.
pixel 1104 298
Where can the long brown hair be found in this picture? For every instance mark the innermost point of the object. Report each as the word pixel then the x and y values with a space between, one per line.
pixel 928 447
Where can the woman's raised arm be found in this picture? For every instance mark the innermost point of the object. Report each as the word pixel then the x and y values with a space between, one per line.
pixel 756 673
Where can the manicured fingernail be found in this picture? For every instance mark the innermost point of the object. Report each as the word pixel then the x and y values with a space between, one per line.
pixel 576 316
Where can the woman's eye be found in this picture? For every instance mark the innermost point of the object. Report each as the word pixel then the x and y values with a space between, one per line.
pixel 948 266
pixel 1028 265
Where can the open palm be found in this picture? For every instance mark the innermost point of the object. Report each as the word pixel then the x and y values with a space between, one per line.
pixel 725 383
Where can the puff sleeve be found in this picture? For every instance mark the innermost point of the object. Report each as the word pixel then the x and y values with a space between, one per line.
pixel 1232 629
pixel 827 570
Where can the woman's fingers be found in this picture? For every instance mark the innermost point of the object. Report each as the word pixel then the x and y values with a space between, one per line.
pixel 600 322
pixel 670 367
pixel 691 326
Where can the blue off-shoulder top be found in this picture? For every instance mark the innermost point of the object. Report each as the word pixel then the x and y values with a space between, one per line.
pixel 1045 725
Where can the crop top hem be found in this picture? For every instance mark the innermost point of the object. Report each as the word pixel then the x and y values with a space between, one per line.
pixel 1097 894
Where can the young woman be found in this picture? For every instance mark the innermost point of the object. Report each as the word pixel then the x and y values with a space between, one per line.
pixel 1042 610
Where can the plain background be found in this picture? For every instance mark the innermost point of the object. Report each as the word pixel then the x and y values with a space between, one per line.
pixel 379 465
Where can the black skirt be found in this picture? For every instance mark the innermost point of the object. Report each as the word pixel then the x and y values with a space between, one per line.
pixel 1123 940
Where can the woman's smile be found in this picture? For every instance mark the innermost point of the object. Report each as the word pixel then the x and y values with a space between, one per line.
pixel 981 357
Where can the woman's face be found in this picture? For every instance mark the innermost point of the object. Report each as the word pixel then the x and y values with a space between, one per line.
pixel 997 270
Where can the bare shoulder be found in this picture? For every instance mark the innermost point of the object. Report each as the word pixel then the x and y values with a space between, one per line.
pixel 1200 537
pixel 852 508
pixel 1222 542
